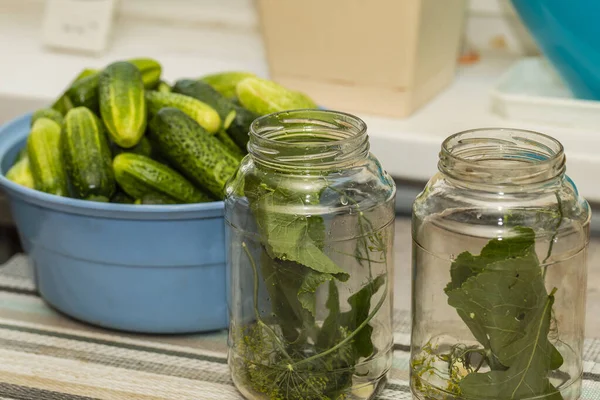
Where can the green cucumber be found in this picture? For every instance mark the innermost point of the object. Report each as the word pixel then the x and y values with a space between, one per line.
pixel 140 176
pixel 84 92
pixel 49 113
pixel 150 70
pixel 122 198
pixel 207 94
pixel 233 148
pixel 20 173
pixel 64 103
pixel 240 126
pixel 189 148
pixel 199 111
pixel 45 157
pixel 21 155
pixel 144 147
pixel 87 156
pixel 122 103
pixel 156 199
pixel 263 96
pixel 164 87
pixel 225 82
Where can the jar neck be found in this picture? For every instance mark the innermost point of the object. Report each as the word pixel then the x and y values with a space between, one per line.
pixel 511 159
pixel 308 140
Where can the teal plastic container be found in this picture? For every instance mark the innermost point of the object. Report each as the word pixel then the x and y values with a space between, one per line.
pixel 568 33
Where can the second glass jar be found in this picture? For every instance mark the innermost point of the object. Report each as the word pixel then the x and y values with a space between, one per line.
pixel 310 225
pixel 499 272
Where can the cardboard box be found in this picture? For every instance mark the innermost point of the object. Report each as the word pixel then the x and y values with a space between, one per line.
pixel 382 57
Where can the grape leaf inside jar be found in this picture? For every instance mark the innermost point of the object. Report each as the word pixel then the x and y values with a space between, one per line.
pixel 501 297
pixel 289 353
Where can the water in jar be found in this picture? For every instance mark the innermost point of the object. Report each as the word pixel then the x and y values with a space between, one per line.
pixel 537 303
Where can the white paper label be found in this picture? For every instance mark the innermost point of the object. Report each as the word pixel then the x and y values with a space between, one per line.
pixel 78 24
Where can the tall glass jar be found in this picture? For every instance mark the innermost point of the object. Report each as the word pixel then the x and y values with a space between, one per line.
pixel 499 271
pixel 310 225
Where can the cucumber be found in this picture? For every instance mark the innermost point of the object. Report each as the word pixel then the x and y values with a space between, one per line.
pixel 240 126
pixel 155 199
pixel 190 149
pixel 64 103
pixel 20 173
pixel 21 155
pixel 225 82
pixel 207 94
pixel 87 156
pixel 45 157
pixel 49 113
pixel 233 148
pixel 140 176
pixel 122 103
pixel 150 70
pixel 164 87
pixel 262 97
pixel 144 147
pixel 199 111
pixel 122 198
pixel 84 92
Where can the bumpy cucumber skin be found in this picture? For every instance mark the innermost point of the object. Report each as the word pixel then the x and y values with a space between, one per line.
pixel 239 128
pixel 190 149
pixel 49 113
pixel 84 92
pixel 63 104
pixel 87 156
pixel 225 82
pixel 150 70
pixel 263 96
pixel 21 173
pixel 233 148
pixel 207 94
pixel 144 147
pixel 45 158
pixel 199 111
pixel 121 198
pixel 140 177
pixel 122 103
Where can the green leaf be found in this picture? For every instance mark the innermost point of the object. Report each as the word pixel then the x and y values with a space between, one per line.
pixel 360 304
pixel 311 282
pixel 528 375
pixel 290 235
pixel 337 324
pixel 498 304
pixel 467 265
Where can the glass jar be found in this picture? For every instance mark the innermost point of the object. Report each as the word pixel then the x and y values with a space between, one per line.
pixel 499 271
pixel 310 225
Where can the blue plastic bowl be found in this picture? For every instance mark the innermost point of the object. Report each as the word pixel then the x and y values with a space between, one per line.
pixel 147 269
pixel 568 33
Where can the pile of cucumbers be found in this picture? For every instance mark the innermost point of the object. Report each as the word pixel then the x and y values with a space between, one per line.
pixel 123 135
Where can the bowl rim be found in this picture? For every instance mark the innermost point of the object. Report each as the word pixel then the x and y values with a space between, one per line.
pixel 13 132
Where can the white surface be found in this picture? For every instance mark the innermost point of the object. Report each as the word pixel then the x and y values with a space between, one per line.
pixel 408 148
pixel 531 90
pixel 78 24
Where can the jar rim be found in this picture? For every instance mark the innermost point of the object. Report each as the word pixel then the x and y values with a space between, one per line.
pixel 311 138
pixel 255 130
pixel 502 156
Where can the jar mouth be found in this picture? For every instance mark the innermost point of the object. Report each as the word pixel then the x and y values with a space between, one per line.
pixel 308 137
pixel 502 157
